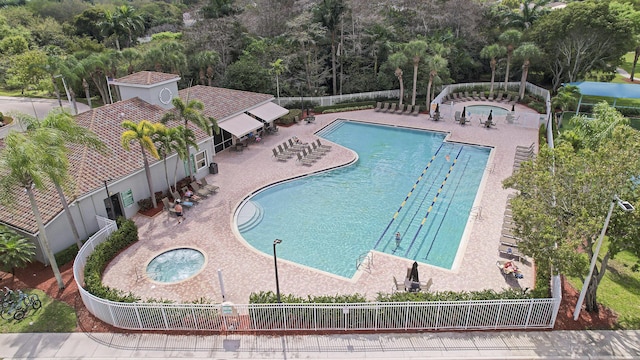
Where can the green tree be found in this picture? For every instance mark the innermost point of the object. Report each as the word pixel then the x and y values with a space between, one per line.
pixel 189 112
pixel 168 140
pixel 27 69
pixel 277 68
pixel 15 250
pixel 560 213
pixel 205 62
pixel 26 162
pixel 526 13
pixel 493 52
pixel 415 50
pixel 71 133
pixel 526 52
pixel 566 97
pixel 437 64
pixel 123 22
pixel 142 133
pixel 329 14
pixel 510 39
pixel 397 61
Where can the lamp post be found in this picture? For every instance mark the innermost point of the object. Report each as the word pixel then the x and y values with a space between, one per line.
pixel 66 90
pixel 627 207
pixel 275 263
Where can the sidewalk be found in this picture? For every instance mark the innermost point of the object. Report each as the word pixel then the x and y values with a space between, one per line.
pixel 446 345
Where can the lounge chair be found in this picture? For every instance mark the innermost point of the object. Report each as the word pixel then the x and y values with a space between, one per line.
pixel 416 110
pixel 210 187
pixel 285 153
pixel 456 116
pixel 168 206
pixel 185 202
pixel 194 197
pixel 463 120
pixel 305 161
pixel 296 146
pixel 490 98
pixel 506 99
pixel 530 147
pixel 322 145
pixel 198 190
pixel 509 241
pixel 482 97
pixel 309 119
pixel 499 96
pixel 393 107
pixel 318 149
pixel 288 152
pixel 408 110
pixel 280 156
pixel 308 153
pixel 510 251
pixel 385 108
pixel 467 97
pixel 378 106
pixel 475 95
pixel 401 108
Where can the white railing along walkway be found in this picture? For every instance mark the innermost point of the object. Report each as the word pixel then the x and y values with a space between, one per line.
pixel 436 315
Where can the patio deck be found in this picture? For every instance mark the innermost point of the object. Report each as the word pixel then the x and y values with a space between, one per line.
pixel 208 226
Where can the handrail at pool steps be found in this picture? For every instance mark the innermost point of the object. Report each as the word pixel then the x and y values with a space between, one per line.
pixel 330 128
pixel 365 257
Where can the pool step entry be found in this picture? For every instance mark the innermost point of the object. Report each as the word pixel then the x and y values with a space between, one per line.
pixel 365 259
pixel 250 215
pixel 329 129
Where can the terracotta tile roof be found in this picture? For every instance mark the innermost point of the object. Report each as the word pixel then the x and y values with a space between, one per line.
pixel 89 169
pixel 220 103
pixel 146 78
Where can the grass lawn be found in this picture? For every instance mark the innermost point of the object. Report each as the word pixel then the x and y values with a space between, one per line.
pixel 619 290
pixel 53 316
pixel 627 63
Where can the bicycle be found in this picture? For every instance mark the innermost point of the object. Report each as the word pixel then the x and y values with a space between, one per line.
pixel 16 310
pixel 29 300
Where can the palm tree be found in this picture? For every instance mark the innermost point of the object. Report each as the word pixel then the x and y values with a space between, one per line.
pixel 123 21
pixel 167 141
pixel 26 162
pixel 131 56
pixel 141 133
pixel 437 64
pixel 277 67
pixel 397 60
pixel 566 97
pixel 130 21
pixel 189 112
pixel 329 13
pixel 415 50
pixel 510 39
pixel 636 56
pixel 527 13
pixel 15 250
pixel 493 52
pixel 205 61
pixel 187 140
pixel 526 52
pixel 71 133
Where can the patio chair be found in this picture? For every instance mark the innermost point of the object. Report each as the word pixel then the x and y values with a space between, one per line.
pixel 401 108
pixel 456 116
pixel 397 286
pixel 194 197
pixel 296 147
pixel 210 187
pixel 378 106
pixel 198 190
pixel 393 107
pixel 280 156
pixel 321 145
pixel 305 161
pixel 408 110
pixel 168 206
pixel 491 97
pixel 510 251
pixel 185 202
pixel 530 147
pixel 416 110
pixel 385 107
pixel 318 149
pixel 482 97
pixel 506 99
pixel 475 96
pixel 499 96
pixel 308 152
pixel 285 152
pixel 467 97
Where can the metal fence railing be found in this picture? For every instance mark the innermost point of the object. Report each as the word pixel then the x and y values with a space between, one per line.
pixel 435 315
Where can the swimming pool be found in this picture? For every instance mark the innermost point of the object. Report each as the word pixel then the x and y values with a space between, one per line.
pixel 407 181
pixel 484 110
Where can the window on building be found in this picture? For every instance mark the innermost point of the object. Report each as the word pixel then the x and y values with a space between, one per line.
pixel 201 160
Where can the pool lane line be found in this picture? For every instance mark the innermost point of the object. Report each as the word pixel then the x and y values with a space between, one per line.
pixel 415 213
pixel 408 195
pixel 455 191
pixel 455 161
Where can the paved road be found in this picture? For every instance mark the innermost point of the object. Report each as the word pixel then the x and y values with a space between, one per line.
pixel 33 106
pixel 447 345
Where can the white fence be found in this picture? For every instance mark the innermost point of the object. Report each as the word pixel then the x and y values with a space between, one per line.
pixel 334 99
pixel 436 315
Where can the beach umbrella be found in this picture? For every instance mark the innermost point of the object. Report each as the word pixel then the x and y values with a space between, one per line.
pixel 490 115
pixel 437 108
pixel 413 275
pixel 513 108
pixel 464 112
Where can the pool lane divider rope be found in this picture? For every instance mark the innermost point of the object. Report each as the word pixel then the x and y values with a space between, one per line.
pixel 408 195
pixel 455 191
pixel 424 219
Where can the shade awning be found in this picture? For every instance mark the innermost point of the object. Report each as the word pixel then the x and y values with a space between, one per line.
pixel 269 112
pixel 240 125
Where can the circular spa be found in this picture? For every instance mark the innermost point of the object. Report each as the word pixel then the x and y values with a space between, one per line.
pixel 175 265
pixel 485 109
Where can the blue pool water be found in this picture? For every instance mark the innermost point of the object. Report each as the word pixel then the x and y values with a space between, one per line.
pixel 406 181
pixel 484 110
pixel 175 265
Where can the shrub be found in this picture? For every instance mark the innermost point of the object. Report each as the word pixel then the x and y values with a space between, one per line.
pixel 352 108
pixel 290 117
pixel 126 235
pixel 145 204
pixel 67 255
pixel 339 107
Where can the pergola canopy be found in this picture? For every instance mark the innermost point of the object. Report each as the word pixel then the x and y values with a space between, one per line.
pixel 241 125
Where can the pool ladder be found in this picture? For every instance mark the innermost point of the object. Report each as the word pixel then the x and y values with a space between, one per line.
pixel 365 258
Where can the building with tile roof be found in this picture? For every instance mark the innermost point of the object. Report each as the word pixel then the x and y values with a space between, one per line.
pixel 145 96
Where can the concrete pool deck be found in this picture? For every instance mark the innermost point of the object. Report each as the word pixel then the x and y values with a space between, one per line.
pixel 208 226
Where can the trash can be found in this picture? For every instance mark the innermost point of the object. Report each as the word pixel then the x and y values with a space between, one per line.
pixel 213 168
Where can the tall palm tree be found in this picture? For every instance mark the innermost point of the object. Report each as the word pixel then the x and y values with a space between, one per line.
pixel 142 133
pixel 510 39
pixel 527 52
pixel 131 56
pixel 130 20
pixel 415 50
pixel 205 61
pixel 26 162
pixel 277 68
pixel 566 97
pixel 436 64
pixel 167 141
pixel 397 60
pixel 121 22
pixel 71 133
pixel 527 13
pixel 15 250
pixel 492 52
pixel 187 140
pixel 189 112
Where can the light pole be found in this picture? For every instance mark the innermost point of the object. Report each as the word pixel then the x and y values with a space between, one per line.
pixel 627 207
pixel 275 263
pixel 66 90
